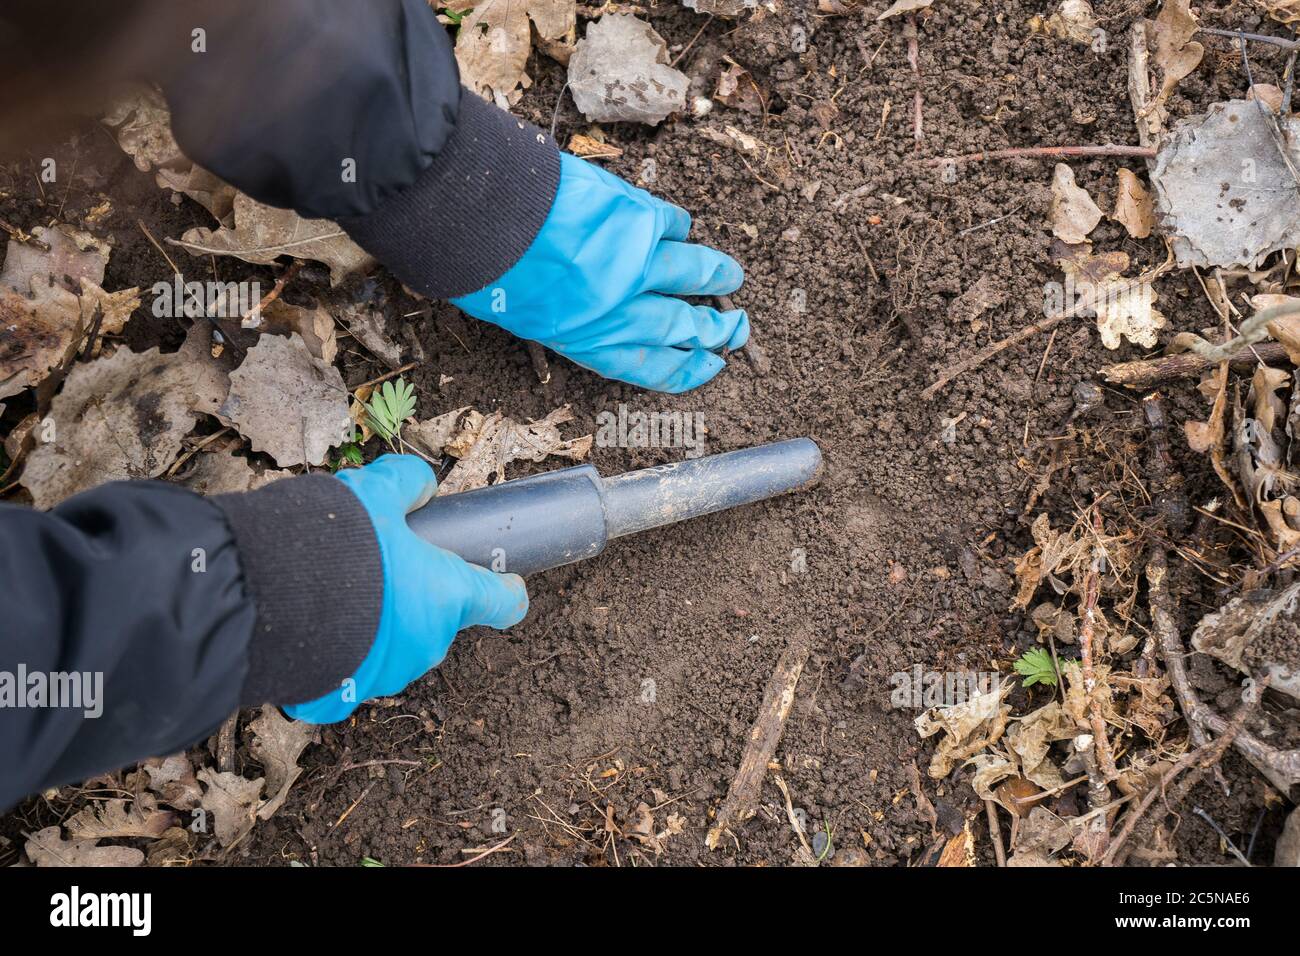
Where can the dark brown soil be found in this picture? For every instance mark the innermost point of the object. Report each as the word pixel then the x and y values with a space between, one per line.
pixel 546 731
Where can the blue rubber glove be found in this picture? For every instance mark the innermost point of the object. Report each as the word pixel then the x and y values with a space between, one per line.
pixel 429 593
pixel 597 286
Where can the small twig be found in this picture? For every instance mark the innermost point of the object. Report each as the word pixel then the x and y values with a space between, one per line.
pixel 1200 759
pixel 26 238
pixel 1042 152
pixel 474 859
pixel 1088 623
pixel 348 812
pixel 274 294
pixel 1029 331
pixel 161 251
pixel 995 832
pixel 914 60
pixel 1251 331
pixel 194 451
pixel 1148 372
pixel 386 376
pixel 1240 35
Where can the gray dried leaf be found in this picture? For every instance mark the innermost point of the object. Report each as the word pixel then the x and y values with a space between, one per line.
pixel 620 72
pixel 287 402
pixel 120 818
pixel 142 124
pixel 231 802
pixel 502 440
pixel 123 416
pixel 172 779
pixel 495 39
pixel 224 473
pixel 73 255
pixel 1224 193
pixel 433 436
pixel 261 234
pixel 48 848
pixel 369 327
pixel 277 743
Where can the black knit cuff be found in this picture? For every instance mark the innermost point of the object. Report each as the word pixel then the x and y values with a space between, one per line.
pixel 473 212
pixel 312 565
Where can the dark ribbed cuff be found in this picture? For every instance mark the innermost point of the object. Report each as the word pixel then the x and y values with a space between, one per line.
pixel 312 565
pixel 473 212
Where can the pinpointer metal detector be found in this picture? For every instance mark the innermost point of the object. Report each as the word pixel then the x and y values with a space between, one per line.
pixel 558 517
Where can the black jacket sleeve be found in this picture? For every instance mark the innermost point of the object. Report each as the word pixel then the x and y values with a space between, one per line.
pixel 137 616
pixel 354 112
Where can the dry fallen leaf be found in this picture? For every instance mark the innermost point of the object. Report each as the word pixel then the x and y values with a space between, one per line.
pixel 224 473
pixel 495 38
pixel 120 818
pixel 433 436
pixel 172 779
pixel 141 121
pixel 1073 213
pixel 123 416
pixel 48 848
pixel 73 255
pixel 736 88
pixel 315 325
pixel 968 728
pixel 287 402
pixel 231 803
pixel 732 138
pixel 369 327
pixel 587 147
pixel 904 6
pixel 261 234
pixel 1134 207
pixel 502 440
pixel 1173 50
pixel 621 72
pixel 43 330
pixel 1123 309
pixel 1224 193
pixel 1074 20
pixel 276 745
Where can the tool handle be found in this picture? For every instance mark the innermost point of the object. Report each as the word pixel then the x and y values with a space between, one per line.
pixel 524 526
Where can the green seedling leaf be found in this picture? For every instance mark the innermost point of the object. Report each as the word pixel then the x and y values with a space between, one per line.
pixel 1035 665
pixel 390 405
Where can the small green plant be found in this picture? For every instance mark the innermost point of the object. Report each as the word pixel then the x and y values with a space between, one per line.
pixel 349 456
pixel 389 406
pixel 370 861
pixel 456 17
pixel 830 841
pixel 1036 666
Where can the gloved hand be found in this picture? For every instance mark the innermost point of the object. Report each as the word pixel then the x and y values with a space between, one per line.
pixel 598 281
pixel 429 593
